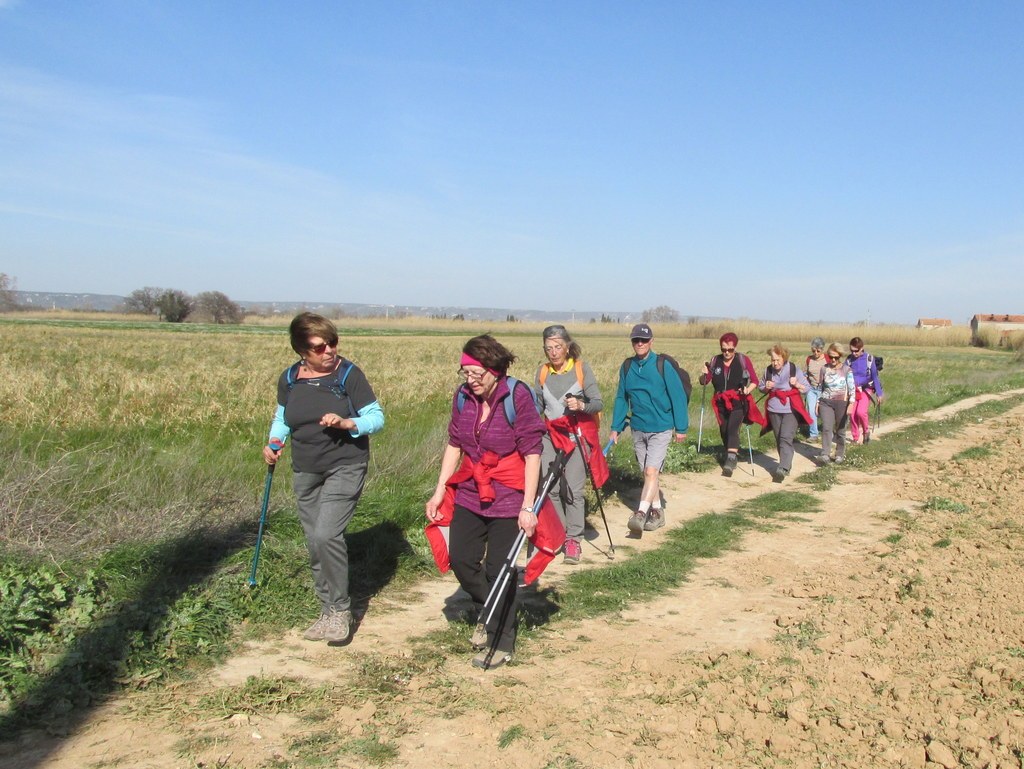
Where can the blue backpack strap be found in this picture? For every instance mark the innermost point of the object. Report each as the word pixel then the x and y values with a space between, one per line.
pixel 292 373
pixel 509 402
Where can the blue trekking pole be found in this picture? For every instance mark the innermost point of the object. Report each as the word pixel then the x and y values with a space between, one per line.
pixel 700 430
pixel 276 446
pixel 608 447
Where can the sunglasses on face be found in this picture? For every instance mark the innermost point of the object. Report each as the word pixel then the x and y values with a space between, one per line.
pixel 728 349
pixel 640 341
pixel 833 357
pixel 320 349
pixel 858 351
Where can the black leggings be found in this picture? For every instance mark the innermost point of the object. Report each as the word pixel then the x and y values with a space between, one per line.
pixel 477 546
pixel 730 427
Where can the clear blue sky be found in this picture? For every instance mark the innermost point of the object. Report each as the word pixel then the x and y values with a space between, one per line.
pixel 779 160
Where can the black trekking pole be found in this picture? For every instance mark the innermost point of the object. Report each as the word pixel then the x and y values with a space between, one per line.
pixel 276 446
pixel 508 566
pixel 590 476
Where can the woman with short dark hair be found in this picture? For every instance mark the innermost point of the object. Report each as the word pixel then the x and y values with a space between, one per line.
pixel 328 409
pixel 490 470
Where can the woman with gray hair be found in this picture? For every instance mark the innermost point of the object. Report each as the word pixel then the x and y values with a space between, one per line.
pixel 570 401
pixel 812 368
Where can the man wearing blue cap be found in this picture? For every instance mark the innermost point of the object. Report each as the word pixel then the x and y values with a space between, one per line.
pixel 652 396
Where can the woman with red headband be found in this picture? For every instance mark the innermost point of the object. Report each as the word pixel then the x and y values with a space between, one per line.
pixel 485 432
pixel 733 377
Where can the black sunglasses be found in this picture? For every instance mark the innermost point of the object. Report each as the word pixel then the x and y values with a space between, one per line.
pixel 728 349
pixel 319 349
pixel 638 340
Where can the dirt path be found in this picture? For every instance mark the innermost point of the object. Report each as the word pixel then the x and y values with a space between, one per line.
pixel 874 633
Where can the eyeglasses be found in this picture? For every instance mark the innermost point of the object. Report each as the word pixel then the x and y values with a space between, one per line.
pixel 476 376
pixel 321 348
pixel 638 341
pixel 834 357
pixel 728 349
pixel 858 351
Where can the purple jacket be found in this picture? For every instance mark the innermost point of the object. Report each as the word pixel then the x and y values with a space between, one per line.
pixel 497 435
pixel 865 372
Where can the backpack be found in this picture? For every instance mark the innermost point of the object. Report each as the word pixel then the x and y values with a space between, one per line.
pixel 872 361
pixel 684 375
pixel 542 377
pixel 509 402
pixel 292 376
pixel 768 370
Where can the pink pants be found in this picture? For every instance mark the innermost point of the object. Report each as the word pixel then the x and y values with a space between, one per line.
pixel 859 420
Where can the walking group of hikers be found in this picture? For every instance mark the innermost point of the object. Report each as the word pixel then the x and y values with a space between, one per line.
pixel 519 454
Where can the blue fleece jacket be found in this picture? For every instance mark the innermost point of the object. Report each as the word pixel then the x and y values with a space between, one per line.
pixel 654 403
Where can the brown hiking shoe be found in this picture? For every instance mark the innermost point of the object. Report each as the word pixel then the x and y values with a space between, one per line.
pixel 655 519
pixel 636 522
pixel 317 631
pixel 339 626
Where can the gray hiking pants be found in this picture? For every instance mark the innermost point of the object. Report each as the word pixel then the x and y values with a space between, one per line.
pixel 784 427
pixel 833 425
pixel 326 502
pixel 567 496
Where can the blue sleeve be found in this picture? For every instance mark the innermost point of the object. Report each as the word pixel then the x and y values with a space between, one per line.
pixel 621 407
pixel 369 421
pixel 279 429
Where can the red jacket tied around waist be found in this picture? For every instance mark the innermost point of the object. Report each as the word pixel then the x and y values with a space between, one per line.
pixel 727 400
pixel 509 471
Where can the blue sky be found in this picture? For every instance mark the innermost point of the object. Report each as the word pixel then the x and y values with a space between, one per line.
pixel 782 160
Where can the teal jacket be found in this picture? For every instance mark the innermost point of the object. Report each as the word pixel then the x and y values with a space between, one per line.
pixel 654 404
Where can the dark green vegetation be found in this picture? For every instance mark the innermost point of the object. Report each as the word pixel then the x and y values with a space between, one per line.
pixel 130 483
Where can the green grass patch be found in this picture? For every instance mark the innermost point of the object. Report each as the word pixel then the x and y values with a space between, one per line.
pixel 511 734
pixel 613 588
pixel 944 504
pixel 261 695
pixel 975 452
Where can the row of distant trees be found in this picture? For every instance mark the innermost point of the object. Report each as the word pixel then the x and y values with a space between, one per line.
pixel 175 306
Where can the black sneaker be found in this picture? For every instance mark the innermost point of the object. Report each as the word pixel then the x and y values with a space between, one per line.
pixel 780 474
pixel 730 464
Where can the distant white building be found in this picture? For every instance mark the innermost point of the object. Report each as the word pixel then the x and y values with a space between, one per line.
pixel 992 325
pixel 930 323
